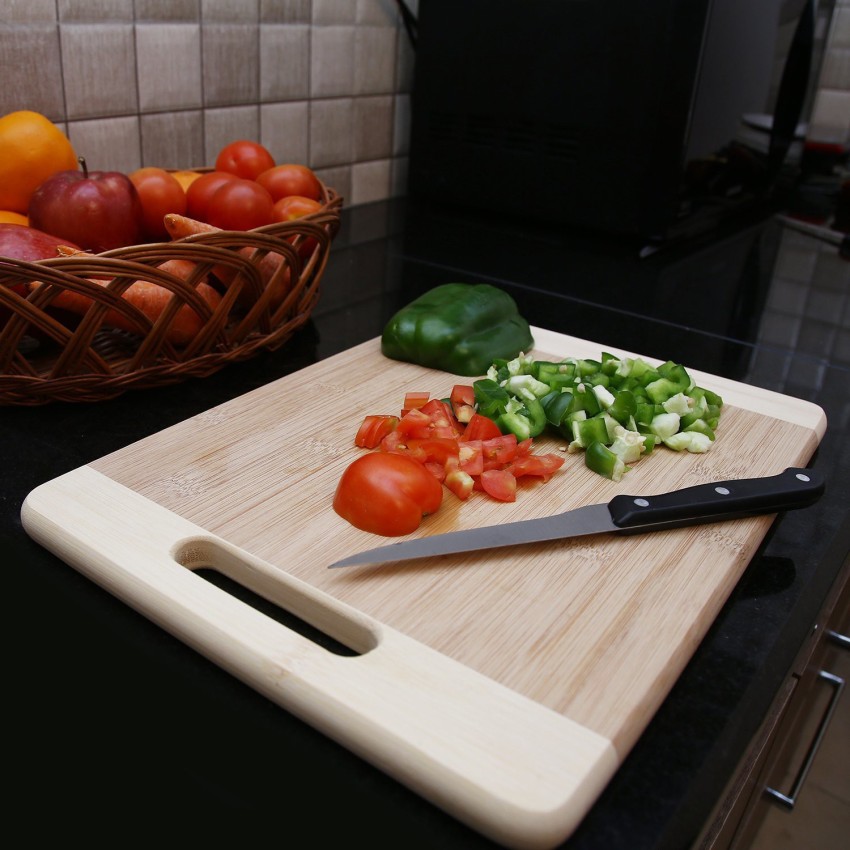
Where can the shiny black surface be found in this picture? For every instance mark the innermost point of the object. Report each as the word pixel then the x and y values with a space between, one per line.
pixel 114 727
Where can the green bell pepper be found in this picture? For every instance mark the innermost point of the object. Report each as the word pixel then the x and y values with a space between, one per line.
pixel 459 328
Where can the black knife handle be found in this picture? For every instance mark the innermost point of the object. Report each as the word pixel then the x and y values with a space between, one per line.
pixel 793 488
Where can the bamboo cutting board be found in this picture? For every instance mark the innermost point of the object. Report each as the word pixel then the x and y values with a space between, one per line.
pixel 507 686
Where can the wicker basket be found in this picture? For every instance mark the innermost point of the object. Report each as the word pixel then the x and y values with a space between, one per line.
pixel 46 355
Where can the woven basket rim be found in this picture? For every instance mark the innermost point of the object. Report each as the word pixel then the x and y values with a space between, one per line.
pixel 266 283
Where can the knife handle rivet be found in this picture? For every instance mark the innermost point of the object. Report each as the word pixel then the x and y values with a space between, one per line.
pixel 641 503
pixel 723 491
pixel 802 477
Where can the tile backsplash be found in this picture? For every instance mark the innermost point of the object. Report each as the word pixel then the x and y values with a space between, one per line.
pixel 323 82
pixel 169 82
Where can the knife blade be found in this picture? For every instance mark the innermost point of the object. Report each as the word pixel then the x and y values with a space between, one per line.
pixel 712 502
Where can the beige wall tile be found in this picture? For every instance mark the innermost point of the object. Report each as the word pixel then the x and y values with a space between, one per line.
pixel 370 181
pixel 284 62
pixel 380 12
pixel 286 11
pixel 285 131
pixel 374 60
pixel 231 12
pixel 222 126
pixel 31 71
pixel 28 12
pixel 339 179
pixel 231 56
pixel 99 69
pixel 173 139
pixel 373 127
pixel 331 132
pixel 168 58
pixel 108 144
pixel 331 61
pixel 333 12
pixel 168 10
pixel 95 11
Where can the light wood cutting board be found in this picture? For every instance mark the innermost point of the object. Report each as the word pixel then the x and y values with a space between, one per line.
pixel 506 686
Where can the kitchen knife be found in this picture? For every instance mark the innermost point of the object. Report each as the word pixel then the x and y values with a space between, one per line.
pixel 793 488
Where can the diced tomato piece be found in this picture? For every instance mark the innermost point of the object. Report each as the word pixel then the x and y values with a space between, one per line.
pixel 460 483
pixel 481 428
pixel 542 466
pixel 524 446
pixel 499 484
pixel 393 442
pixel 499 451
pixel 373 429
pixel 438 470
pixel 413 401
pixel 471 456
pixel 462 400
pixel 414 424
pixel 436 449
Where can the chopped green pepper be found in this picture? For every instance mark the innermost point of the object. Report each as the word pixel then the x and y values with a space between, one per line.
pixel 458 327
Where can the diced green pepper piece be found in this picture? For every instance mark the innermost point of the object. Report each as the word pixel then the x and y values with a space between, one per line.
pixel 623 406
pixel 555 406
pixel 599 458
pixel 587 431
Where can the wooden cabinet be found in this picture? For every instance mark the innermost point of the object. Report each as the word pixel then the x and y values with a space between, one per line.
pixel 773 773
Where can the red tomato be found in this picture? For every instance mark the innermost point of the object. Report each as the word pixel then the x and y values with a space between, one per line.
pixel 374 428
pixel 462 399
pixel 434 449
pixel 160 193
pixel 201 190
pixel 471 456
pixel 540 465
pixel 386 493
pixel 460 483
pixel 413 401
pixel 499 483
pixel 245 159
pixel 294 206
pixel 291 179
pixel 499 451
pixel 480 428
pixel 239 205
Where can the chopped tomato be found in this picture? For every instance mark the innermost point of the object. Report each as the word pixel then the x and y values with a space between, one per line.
pixel 481 428
pixel 471 456
pixel 413 401
pixel 499 451
pixel 542 466
pixel 437 449
pixel 499 483
pixel 415 424
pixel 374 429
pixel 460 483
pixel 462 400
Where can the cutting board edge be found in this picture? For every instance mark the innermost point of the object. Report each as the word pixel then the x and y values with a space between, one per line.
pixel 505 765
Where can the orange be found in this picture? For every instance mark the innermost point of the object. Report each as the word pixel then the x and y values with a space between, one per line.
pixel 9 217
pixel 186 178
pixel 32 148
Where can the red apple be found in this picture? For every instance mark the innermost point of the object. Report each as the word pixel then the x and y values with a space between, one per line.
pixel 97 210
pixel 19 242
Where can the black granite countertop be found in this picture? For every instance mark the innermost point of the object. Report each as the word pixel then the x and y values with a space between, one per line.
pixel 115 727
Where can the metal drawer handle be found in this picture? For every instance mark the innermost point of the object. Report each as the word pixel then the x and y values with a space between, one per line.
pixel 789 800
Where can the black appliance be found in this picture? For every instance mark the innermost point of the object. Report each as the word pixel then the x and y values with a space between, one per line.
pixel 621 116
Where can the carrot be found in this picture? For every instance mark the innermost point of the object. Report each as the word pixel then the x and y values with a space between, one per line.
pixel 181 226
pixel 150 299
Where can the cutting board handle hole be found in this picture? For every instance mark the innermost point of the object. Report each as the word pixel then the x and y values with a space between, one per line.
pixel 278 614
